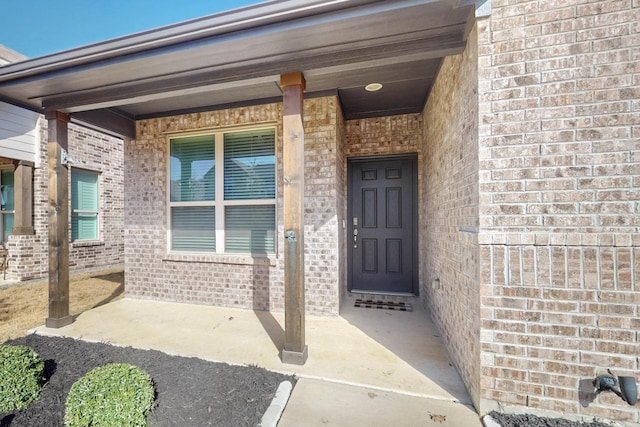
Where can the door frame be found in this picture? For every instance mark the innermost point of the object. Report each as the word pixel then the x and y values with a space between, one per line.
pixel 414 223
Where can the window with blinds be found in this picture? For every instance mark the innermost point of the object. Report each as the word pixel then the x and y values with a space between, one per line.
pixel 84 205
pixel 222 192
pixel 6 203
pixel 249 166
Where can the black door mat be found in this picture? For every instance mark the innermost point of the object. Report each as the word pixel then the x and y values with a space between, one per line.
pixel 387 305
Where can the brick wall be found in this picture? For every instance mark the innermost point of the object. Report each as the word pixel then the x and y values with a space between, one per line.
pixel 28 255
pixel 449 211
pixel 559 203
pixel 228 280
pixel 323 219
pixel 384 136
pixel 341 200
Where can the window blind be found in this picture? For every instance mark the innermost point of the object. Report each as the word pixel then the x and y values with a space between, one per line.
pixel 249 165
pixel 84 205
pixel 193 228
pixel 250 229
pixel 83 226
pixel 193 169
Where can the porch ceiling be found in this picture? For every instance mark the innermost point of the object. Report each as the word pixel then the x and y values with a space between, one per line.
pixel 237 57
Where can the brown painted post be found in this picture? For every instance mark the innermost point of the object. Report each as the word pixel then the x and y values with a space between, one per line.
pixel 58 222
pixel 295 349
pixel 23 212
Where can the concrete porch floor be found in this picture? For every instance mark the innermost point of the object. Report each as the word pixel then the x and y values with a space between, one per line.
pixel 366 367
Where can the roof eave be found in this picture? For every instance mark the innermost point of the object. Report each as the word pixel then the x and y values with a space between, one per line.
pixel 242 19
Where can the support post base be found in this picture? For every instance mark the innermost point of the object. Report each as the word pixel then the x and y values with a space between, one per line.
pixel 294 357
pixel 58 322
pixel 23 231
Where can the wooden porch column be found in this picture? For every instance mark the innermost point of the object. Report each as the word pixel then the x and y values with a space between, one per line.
pixel 295 349
pixel 23 212
pixel 58 221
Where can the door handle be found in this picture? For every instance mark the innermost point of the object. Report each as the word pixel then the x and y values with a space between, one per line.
pixel 355 238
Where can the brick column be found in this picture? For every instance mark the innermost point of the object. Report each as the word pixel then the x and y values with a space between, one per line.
pixel 295 350
pixel 58 221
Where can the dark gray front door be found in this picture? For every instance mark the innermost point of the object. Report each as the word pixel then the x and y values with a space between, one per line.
pixel 382 228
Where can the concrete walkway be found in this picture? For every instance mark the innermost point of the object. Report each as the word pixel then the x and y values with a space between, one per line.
pixel 367 367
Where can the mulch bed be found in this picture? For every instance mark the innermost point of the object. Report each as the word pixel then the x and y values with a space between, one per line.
pixel 190 391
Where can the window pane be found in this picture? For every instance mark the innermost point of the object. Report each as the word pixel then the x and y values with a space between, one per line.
pixel 7 199
pixel 192 169
pixel 193 229
pixel 84 197
pixel 250 229
pixel 7 226
pixel 84 190
pixel 250 165
pixel 84 226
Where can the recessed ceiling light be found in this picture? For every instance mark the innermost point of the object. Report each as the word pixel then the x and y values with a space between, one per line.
pixel 373 87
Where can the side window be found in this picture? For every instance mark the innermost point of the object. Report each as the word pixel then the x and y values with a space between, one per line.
pixel 84 205
pixel 6 203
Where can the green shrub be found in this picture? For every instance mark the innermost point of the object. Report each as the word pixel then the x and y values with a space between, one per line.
pixel 117 394
pixel 20 377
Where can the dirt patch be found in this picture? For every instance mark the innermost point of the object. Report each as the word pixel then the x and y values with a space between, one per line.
pixel 25 306
pixel 190 391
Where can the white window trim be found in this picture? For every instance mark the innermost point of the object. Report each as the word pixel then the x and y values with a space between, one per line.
pixel 219 203
pixel 98 237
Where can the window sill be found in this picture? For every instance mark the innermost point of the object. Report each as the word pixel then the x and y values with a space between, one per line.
pixel 86 243
pixel 236 259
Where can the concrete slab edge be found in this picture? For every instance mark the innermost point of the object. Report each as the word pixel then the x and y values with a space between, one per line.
pixel 379 388
pixel 488 421
pixel 274 411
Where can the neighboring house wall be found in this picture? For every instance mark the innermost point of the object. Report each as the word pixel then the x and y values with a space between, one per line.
pixel 100 153
pixel 19 136
pixel 234 280
pixel 8 56
pixel 28 254
pixel 449 211
pixel 559 203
